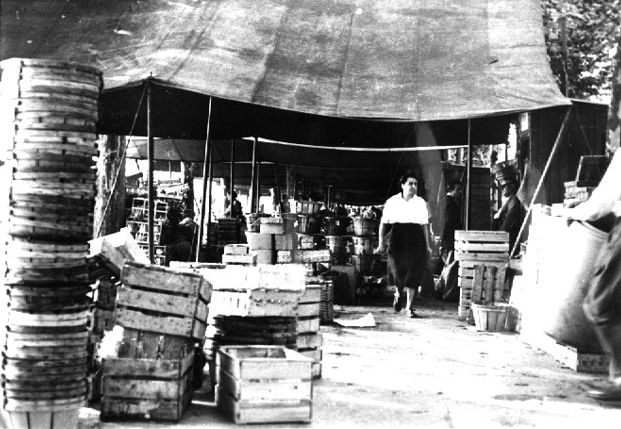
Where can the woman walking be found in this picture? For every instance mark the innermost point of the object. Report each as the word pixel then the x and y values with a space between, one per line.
pixel 404 236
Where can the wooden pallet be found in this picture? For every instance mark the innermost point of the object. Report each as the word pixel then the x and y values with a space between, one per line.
pixel 153 389
pixel 569 356
pixel 264 384
pixel 163 300
pixel 481 245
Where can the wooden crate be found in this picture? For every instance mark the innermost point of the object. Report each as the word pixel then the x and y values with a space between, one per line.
pixel 310 340
pixel 308 324
pixel 481 245
pixel 491 278
pixel 140 344
pixel 312 293
pixel 155 389
pixel 241 259
pixel 264 384
pixel 256 302
pixel 163 300
pixel 115 249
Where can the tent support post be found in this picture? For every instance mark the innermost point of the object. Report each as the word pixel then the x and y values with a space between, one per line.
pixel 232 175
pixel 468 177
pixel 150 188
pixel 258 197
pixel 206 157
pixel 557 144
pixel 209 192
pixel 252 176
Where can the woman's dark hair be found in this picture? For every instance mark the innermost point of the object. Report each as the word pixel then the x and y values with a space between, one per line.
pixel 407 174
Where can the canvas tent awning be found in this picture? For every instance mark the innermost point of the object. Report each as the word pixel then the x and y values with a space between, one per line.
pixel 274 65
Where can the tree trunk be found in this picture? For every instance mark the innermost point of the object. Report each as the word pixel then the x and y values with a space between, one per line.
pixel 614 113
pixel 109 215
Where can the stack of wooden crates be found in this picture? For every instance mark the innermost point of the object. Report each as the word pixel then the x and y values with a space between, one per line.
pixel 163 313
pixel 483 258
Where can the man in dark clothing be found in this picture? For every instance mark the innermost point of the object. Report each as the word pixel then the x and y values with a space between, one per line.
pixel 511 215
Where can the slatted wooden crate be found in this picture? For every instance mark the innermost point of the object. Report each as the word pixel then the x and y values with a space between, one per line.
pixel 492 276
pixel 257 302
pixel 264 384
pixel 308 325
pixel 163 300
pixel 157 389
pixel 481 245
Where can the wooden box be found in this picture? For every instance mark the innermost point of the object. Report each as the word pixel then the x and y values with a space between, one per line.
pixel 242 259
pixel 304 256
pixel 493 279
pixel 258 241
pixel 285 241
pixel 264 384
pixel 236 249
pixel 284 257
pixel 116 249
pixel 255 302
pixel 311 340
pixel 146 388
pixel 308 324
pixel 481 245
pixel 163 300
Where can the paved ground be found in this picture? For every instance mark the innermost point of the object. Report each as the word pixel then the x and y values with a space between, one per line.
pixel 432 372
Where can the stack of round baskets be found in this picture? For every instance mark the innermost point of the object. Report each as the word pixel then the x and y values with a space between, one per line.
pixel 47 131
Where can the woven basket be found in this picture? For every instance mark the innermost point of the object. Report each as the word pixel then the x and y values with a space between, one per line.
pixel 363 227
pixel 491 318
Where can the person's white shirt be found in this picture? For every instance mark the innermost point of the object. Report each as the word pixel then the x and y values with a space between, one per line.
pixel 399 210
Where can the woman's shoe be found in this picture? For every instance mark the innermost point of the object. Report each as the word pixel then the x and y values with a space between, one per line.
pixel 413 314
pixel 397 304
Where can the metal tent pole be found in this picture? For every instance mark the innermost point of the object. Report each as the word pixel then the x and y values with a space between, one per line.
pixel 150 188
pixel 206 156
pixel 468 177
pixel 232 175
pixel 252 177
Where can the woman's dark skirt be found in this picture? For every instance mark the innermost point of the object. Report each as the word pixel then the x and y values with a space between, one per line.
pixel 407 255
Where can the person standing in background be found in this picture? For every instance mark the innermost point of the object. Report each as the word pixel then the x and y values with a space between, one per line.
pixel 511 215
pixel 404 236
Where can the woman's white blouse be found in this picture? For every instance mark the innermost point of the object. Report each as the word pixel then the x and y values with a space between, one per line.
pixel 398 210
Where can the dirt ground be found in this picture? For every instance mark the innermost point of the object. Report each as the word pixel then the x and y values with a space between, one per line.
pixel 431 372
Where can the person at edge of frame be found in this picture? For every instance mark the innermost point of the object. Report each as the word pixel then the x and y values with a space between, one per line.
pixel 602 303
pixel 404 236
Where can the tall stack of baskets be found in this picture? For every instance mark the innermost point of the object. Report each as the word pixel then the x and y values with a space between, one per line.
pixel 47 131
pixel 363 241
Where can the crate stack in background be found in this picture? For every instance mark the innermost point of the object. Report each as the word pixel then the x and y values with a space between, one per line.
pixel 48 115
pixel 163 314
pixel 139 227
pixel 275 237
pixel 488 250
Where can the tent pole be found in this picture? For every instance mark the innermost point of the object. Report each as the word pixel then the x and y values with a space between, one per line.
pixel 258 197
pixel 252 176
pixel 206 156
pixel 468 177
pixel 209 192
pixel 557 144
pixel 232 174
pixel 150 188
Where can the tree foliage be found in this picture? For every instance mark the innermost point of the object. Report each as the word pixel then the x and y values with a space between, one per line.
pixel 592 34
